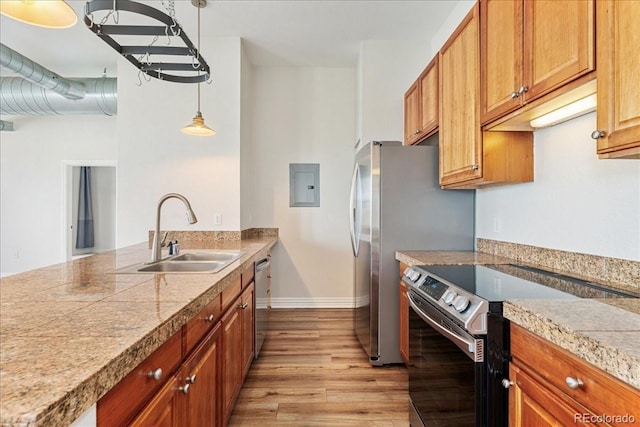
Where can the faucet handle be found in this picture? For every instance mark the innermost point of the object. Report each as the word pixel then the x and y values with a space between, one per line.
pixel 174 247
pixel 162 244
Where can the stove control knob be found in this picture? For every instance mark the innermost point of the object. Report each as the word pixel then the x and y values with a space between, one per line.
pixel 449 296
pixel 461 303
pixel 407 271
pixel 415 276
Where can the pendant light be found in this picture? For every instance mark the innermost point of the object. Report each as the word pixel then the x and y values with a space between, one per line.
pixel 43 13
pixel 197 127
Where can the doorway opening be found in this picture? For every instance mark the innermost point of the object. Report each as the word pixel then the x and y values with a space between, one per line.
pixel 90 208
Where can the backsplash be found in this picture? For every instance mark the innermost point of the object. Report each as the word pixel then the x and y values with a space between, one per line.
pixel 614 272
pixel 202 239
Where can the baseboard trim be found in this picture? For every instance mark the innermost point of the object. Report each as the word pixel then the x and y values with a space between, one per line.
pixel 339 302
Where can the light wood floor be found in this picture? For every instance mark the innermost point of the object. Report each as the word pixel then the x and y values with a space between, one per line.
pixel 312 371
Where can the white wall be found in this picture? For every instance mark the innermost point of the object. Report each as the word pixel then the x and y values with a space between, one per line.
pixel 305 115
pixel 156 158
pixel 247 172
pixel 32 226
pixel 385 71
pixel 576 203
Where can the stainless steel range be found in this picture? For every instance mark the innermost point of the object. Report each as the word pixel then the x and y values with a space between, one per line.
pixel 459 340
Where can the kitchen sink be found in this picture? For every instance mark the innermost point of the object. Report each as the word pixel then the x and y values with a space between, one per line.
pixel 182 267
pixel 208 256
pixel 196 262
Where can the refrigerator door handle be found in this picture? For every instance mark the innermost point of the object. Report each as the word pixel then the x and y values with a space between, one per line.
pixel 353 210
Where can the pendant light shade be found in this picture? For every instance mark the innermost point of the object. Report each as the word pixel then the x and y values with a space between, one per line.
pixel 43 13
pixel 197 127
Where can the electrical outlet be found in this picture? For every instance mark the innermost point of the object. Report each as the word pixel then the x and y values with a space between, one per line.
pixel 497 224
pixel 217 219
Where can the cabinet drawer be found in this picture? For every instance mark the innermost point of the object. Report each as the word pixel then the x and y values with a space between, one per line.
pixel 123 401
pixel 198 327
pixel 247 276
pixel 231 292
pixel 599 391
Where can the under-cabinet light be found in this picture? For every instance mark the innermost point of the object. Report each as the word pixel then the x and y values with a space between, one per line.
pixel 43 13
pixel 575 109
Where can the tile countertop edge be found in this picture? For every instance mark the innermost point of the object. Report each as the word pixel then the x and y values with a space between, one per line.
pixel 413 257
pixel 74 402
pixel 587 345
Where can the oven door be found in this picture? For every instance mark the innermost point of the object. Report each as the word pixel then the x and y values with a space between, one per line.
pixel 447 373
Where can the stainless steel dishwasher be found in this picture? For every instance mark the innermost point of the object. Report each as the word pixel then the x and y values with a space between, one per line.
pixel 262 283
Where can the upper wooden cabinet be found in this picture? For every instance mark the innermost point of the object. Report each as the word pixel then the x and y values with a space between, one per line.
pixel 421 106
pixel 470 158
pixel 530 48
pixel 618 111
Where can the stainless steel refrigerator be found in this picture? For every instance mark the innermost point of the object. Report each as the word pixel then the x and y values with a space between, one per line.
pixel 397 204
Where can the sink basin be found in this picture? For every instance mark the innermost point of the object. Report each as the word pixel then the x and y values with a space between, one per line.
pixel 195 262
pixel 208 256
pixel 183 267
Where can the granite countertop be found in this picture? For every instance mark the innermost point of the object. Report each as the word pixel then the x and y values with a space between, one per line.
pixel 71 331
pixel 602 331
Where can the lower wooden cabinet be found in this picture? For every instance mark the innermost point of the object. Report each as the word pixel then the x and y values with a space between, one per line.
pixel 551 387
pixel 237 344
pixel 192 380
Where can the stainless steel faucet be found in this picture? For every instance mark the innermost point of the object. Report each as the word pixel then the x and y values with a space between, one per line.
pixel 156 249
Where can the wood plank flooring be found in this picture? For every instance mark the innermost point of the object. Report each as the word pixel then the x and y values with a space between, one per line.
pixel 312 371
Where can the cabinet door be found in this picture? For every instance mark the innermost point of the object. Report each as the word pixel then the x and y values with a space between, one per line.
pixel 163 410
pixel 411 114
pixel 231 359
pixel 531 404
pixel 558 43
pixel 200 372
pixel 501 58
pixel 428 82
pixel 404 324
pixel 460 137
pixel 618 113
pixel 248 325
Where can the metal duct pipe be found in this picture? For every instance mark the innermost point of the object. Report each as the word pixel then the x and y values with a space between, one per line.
pixel 20 97
pixel 37 74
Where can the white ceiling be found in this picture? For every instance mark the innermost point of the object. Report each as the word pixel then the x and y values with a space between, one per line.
pixel 323 33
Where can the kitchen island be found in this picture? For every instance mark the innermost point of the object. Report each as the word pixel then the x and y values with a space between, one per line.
pixel 604 332
pixel 70 332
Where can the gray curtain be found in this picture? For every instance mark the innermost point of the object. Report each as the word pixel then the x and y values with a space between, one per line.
pixel 84 236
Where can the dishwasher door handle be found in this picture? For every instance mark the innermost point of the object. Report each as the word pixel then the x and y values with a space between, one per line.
pixel 263 264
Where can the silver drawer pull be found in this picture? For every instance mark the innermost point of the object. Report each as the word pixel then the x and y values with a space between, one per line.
pixel 156 374
pixel 597 134
pixel 506 383
pixel 573 383
pixel 191 379
pixel 184 388
pixel 209 318
pixel 244 305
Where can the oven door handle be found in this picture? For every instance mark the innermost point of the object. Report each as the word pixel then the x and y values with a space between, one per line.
pixel 465 344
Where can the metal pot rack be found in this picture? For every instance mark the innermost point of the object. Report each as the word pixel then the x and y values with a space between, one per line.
pixel 193 69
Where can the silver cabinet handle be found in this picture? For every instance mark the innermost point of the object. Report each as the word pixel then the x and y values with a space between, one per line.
pixel 597 134
pixel 155 374
pixel 523 89
pixel 514 94
pixel 506 383
pixel 417 131
pixel 184 388
pixel 191 379
pixel 209 318
pixel 573 383
pixel 474 167
pixel 244 305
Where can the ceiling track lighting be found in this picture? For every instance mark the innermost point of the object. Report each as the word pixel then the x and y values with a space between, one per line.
pixel 192 68
pixel 197 126
pixel 43 13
